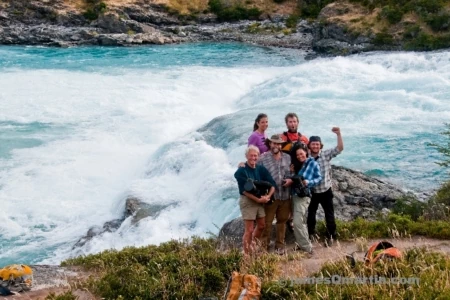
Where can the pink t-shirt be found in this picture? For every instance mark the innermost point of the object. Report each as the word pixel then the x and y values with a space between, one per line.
pixel 257 139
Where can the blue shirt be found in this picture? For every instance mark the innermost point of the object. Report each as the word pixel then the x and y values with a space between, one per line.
pixel 311 172
pixel 258 173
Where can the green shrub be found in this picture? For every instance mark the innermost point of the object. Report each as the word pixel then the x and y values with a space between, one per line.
pixel 392 14
pixel 383 38
pixel 292 20
pixel 443 194
pixel 424 7
pixel 95 8
pixel 439 22
pixel 232 13
pixel 411 32
pixel 409 206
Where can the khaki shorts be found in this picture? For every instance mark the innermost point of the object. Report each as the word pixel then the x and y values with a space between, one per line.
pixel 251 210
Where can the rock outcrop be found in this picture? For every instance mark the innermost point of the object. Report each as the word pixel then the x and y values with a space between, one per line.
pixel 54 23
pixel 134 208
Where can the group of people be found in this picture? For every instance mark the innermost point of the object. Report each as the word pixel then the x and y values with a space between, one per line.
pixel 285 177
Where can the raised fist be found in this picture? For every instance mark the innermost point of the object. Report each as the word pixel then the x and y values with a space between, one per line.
pixel 336 130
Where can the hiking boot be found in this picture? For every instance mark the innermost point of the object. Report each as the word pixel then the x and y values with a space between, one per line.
pixel 328 242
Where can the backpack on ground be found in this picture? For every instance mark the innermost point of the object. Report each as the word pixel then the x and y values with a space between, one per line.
pixel 382 251
pixel 243 287
pixel 15 278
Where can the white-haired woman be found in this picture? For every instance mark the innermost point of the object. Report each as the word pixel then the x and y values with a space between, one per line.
pixel 251 206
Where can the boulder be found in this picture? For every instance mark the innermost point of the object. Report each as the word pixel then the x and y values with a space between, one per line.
pixel 111 23
pixel 134 209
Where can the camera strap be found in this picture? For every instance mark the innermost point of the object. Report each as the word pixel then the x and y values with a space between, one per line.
pixel 257 177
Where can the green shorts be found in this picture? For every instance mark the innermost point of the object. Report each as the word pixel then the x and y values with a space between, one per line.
pixel 251 210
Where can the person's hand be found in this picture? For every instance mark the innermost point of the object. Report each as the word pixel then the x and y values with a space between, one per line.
pixel 336 130
pixel 305 182
pixel 264 199
pixel 291 168
pixel 288 182
pixel 241 165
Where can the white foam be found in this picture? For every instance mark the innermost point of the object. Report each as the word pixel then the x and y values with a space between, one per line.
pixel 108 127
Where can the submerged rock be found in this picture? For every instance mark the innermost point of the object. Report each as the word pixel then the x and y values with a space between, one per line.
pixel 134 209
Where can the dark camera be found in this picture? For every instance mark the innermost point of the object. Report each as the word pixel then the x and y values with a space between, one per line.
pixel 258 188
pixel 298 187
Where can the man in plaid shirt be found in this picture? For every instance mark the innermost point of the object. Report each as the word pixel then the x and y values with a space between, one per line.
pixel 278 164
pixel 322 193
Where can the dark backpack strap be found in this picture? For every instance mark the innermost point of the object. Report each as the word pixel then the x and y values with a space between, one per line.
pixel 257 175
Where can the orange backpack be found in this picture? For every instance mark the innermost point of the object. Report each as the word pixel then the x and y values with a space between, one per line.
pixel 382 250
pixel 243 287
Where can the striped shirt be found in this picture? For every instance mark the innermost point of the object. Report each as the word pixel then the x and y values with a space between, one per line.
pixel 324 159
pixel 278 169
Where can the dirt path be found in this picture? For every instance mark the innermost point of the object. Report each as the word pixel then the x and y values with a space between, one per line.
pixel 311 264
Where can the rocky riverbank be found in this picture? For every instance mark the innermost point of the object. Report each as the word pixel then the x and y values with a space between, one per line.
pixel 61 23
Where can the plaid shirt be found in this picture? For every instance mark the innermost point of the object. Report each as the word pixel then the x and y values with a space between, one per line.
pixel 311 172
pixel 277 169
pixel 324 159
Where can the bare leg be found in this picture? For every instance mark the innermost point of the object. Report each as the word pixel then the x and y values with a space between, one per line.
pixel 247 238
pixel 257 232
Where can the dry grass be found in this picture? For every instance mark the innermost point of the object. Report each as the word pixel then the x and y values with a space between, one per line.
pixel 355 17
pixel 185 7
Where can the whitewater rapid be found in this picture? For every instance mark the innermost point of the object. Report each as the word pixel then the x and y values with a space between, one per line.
pixel 169 125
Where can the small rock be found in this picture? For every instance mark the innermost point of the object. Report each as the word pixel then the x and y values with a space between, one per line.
pixel 385 211
pixel 343 186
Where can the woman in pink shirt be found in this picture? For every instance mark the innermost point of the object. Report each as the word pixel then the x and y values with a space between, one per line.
pixel 258 137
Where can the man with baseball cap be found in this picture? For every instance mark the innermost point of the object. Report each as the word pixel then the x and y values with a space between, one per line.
pixel 322 193
pixel 278 164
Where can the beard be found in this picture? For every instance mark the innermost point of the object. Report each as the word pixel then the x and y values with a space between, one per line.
pixel 293 130
pixel 275 150
pixel 314 152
